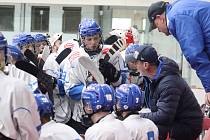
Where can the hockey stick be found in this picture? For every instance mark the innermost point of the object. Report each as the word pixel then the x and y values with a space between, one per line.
pixel 45 81
pixel 110 40
pixel 31 56
pixel 63 55
pixel 33 70
pixel 91 67
pixel 39 62
pixel 118 45
pixel 27 67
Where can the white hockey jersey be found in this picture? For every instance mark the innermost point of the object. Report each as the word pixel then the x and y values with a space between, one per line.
pixel 108 128
pixel 58 131
pixel 19 117
pixel 76 74
pixel 62 103
pixel 30 80
pixel 141 128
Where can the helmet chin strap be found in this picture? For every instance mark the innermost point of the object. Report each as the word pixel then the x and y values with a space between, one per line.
pixel 93 52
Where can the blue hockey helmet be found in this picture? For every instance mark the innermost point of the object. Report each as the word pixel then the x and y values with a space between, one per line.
pixel 45 106
pixel 89 27
pixel 98 97
pixel 29 39
pixel 129 52
pixel 129 97
pixel 40 37
pixel 23 39
pixel 16 39
pixel 15 52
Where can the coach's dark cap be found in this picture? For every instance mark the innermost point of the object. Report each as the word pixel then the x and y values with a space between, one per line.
pixel 156 8
pixel 147 54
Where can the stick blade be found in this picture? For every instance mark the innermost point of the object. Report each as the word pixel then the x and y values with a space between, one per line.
pixel 91 67
pixel 31 56
pixel 110 40
pixel 63 55
pixel 27 67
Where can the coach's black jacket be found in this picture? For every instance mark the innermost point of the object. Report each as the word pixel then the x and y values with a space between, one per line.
pixel 175 109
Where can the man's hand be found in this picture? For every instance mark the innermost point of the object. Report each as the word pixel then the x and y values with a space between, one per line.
pixel 207 98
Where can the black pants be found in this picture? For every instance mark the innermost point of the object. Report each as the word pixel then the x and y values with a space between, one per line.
pixel 185 132
pixel 180 131
pixel 81 129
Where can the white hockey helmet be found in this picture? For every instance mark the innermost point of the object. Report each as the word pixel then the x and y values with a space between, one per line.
pixel 54 38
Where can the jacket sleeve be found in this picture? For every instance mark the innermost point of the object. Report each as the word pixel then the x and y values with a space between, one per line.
pixel 191 39
pixel 166 107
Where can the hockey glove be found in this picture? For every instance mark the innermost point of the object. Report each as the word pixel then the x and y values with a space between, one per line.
pixel 75 92
pixel 109 72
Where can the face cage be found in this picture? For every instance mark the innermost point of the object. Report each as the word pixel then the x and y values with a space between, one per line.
pixel 90 52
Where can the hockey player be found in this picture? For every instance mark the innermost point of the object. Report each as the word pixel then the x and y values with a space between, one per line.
pixel 19 118
pixel 98 101
pixel 129 100
pixel 40 43
pixel 56 41
pixel 50 130
pixel 62 103
pixel 134 76
pixel 20 43
pixel 77 77
pixel 24 41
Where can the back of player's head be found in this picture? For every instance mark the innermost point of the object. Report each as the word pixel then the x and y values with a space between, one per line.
pixel 23 39
pixel 98 97
pixel 15 52
pixel 45 106
pixel 129 97
pixel 130 51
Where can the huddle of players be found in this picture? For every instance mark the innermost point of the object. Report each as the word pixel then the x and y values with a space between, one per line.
pixel 97 101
